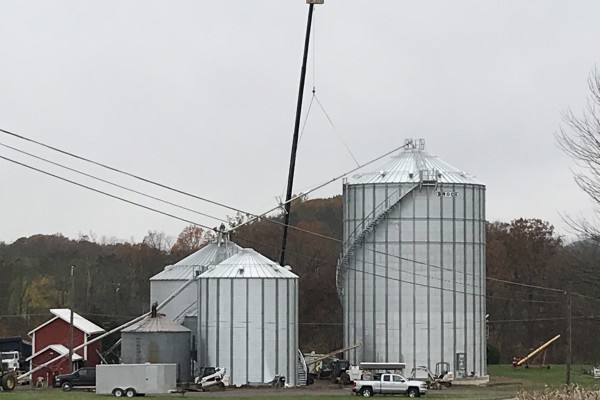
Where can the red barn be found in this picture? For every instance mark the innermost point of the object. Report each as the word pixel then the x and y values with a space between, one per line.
pixel 52 339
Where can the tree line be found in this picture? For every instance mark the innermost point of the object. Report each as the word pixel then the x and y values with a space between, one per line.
pixel 112 279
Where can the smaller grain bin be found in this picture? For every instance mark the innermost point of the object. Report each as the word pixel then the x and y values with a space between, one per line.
pixel 248 319
pixel 158 340
pixel 166 282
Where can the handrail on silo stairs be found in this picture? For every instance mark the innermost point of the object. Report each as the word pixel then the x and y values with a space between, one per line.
pixel 373 219
pixel 302 370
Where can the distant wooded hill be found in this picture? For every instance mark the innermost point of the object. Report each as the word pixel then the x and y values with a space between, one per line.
pixel 111 279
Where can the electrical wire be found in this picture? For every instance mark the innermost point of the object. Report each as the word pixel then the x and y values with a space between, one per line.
pixel 594 316
pixel 143 206
pixel 324 184
pixel 122 171
pixel 209 228
pixel 525 285
pixel 334 128
pixel 111 183
pixel 523 300
pixel 198 224
pixel 254 216
pixel 204 226
pixel 528 320
pixel 105 193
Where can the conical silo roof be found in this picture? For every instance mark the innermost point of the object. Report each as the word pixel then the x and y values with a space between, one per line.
pixel 406 167
pixel 210 254
pixel 160 323
pixel 248 263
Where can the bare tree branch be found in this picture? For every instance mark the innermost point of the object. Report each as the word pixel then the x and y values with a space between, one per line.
pixel 579 138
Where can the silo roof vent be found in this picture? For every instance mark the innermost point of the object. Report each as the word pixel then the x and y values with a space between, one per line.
pixel 414 144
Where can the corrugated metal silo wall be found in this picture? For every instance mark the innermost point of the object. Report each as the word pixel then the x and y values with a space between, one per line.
pixel 415 289
pixel 158 347
pixel 160 290
pixel 250 327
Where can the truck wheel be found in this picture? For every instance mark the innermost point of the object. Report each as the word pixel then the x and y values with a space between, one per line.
pixel 8 382
pixel 413 392
pixel 130 392
pixel 66 386
pixel 366 392
pixel 118 392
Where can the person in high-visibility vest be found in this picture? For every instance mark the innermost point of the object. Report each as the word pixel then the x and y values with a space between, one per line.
pixel 318 368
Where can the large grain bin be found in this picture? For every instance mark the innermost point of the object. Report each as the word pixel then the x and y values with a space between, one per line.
pixel 165 283
pixel 411 277
pixel 157 339
pixel 248 319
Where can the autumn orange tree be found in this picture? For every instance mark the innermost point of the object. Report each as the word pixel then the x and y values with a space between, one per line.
pixel 190 240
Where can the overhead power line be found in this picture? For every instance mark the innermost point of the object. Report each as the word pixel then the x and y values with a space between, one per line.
pixel 210 201
pixel 167 187
pixel 121 171
pixel 110 183
pixel 105 193
pixel 325 184
pixel 525 285
pixel 594 316
pixel 207 227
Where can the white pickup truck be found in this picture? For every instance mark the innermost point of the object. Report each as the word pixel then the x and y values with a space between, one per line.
pixel 390 384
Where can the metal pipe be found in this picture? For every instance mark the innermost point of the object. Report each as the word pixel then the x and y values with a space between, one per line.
pixel 333 353
pixel 536 351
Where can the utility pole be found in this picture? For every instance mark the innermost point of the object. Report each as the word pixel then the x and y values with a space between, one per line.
pixel 71 323
pixel 569 333
pixel 288 196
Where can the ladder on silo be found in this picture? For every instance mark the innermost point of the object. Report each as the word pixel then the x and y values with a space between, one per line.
pixel 357 237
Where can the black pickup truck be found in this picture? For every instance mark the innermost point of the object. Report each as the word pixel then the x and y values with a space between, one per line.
pixel 83 377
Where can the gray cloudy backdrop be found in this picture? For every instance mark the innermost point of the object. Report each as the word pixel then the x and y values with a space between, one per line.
pixel 201 95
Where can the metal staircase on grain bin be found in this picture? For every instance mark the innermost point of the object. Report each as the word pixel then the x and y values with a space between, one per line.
pixel 357 237
pixel 302 370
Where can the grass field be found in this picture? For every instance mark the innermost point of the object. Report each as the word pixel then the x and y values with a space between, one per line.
pixel 505 382
pixel 536 377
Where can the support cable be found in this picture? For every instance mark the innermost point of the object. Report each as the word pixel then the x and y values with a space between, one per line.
pixel 335 129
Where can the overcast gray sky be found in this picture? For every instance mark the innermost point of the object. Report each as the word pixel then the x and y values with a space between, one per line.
pixel 201 95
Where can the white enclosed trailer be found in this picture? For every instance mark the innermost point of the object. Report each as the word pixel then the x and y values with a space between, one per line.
pixel 132 379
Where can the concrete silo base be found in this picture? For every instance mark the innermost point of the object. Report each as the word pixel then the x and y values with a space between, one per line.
pixel 475 381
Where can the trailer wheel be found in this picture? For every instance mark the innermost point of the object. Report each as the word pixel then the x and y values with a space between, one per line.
pixel 130 392
pixel 66 386
pixel 8 382
pixel 118 392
